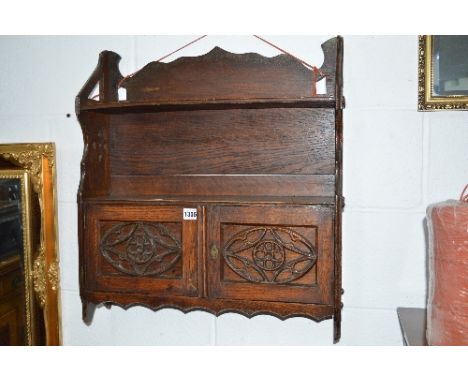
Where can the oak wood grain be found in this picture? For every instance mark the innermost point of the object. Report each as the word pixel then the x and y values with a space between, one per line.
pixel 292 141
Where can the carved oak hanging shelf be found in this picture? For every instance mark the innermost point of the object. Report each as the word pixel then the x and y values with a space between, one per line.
pixel 216 185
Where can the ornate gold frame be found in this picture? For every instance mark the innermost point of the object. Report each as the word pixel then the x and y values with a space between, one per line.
pixel 38 161
pixel 426 100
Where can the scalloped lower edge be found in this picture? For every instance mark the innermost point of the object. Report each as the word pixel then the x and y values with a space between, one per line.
pixel 323 312
pixel 217 307
pixel 218 313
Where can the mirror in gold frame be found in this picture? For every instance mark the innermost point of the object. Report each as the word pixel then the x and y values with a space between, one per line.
pixel 29 269
pixel 443 73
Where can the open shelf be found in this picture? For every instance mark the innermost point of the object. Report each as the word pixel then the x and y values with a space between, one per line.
pixel 316 200
pixel 218 104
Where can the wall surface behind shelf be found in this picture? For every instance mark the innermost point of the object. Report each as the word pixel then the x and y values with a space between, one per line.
pixel 396 162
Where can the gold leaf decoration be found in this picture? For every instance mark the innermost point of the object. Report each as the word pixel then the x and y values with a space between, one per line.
pixel 30 160
pixel 53 276
pixel 39 277
pixel 426 100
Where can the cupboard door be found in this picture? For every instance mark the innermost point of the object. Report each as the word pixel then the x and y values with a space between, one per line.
pixel 141 249
pixel 279 253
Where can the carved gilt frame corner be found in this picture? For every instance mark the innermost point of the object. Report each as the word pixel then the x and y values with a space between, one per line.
pixel 38 160
pixel 427 101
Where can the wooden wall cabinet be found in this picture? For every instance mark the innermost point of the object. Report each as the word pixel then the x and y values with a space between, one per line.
pixel 243 141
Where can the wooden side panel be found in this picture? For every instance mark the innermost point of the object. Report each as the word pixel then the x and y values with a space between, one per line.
pixel 95 174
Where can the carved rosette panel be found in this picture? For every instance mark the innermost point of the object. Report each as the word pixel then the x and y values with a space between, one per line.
pixel 269 255
pixel 141 249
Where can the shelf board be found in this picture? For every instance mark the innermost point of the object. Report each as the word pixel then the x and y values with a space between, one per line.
pixel 216 104
pixel 290 200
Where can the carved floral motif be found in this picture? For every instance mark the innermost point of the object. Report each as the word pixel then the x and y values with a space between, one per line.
pixel 39 277
pixel 141 249
pixel 269 254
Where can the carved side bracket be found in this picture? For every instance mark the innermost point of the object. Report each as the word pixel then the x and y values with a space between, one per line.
pixel 107 75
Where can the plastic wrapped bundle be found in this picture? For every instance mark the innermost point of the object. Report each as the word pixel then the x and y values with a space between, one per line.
pixel 447 311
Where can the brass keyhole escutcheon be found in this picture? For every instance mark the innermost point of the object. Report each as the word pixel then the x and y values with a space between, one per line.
pixel 214 252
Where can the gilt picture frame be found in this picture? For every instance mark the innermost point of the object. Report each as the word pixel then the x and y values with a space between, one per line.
pixel 442 73
pixel 42 277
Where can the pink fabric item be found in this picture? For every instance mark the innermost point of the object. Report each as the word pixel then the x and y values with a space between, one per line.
pixel 447 310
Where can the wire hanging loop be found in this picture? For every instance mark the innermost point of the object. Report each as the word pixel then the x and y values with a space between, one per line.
pixel 464 195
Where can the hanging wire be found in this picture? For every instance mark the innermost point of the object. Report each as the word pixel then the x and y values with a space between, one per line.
pixel 285 52
pixel 464 195
pixel 162 58
pixel 315 71
pixel 182 47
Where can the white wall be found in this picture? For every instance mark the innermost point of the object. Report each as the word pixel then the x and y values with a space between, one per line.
pixel 397 160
